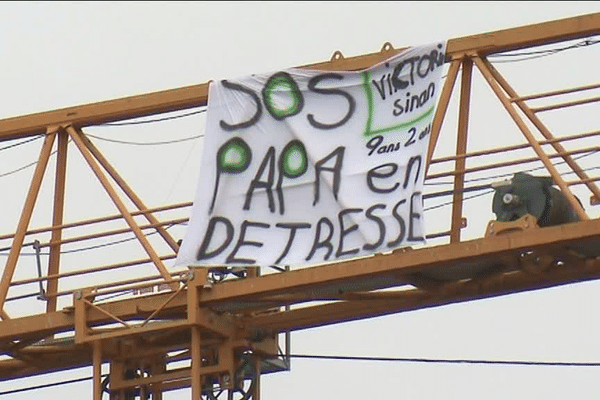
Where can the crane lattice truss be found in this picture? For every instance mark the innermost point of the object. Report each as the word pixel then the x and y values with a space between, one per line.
pixel 186 328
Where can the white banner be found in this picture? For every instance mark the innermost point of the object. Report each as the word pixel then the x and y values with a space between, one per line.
pixel 305 167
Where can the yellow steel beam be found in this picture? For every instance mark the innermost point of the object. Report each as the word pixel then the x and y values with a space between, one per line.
pixel 13 368
pixel 541 126
pixel 393 266
pixel 97 370
pixel 332 313
pixel 510 108
pixel 130 193
pixel 106 111
pixel 527 36
pixel 32 194
pixel 57 219
pixel 196 95
pixel 362 306
pixel 442 107
pixel 461 148
pixel 87 155
pixel 397 264
pixel 63 321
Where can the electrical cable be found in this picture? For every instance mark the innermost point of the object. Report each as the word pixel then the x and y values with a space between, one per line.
pixel 114 242
pixel 180 173
pixel 583 43
pixel 527 170
pixel 110 140
pixel 450 202
pixel 82 248
pixel 114 296
pixel 47 385
pixel 145 143
pixel 453 192
pixel 23 142
pixel 540 53
pixel 150 121
pixel 99 245
pixel 14 171
pixel 482 187
pixel 373 359
pixel 449 361
pixel 23 296
pixel 118 241
pixel 28 165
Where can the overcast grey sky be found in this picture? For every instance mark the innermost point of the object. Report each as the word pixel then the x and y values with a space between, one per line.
pixel 59 54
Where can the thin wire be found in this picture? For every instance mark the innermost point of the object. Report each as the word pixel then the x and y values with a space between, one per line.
pixel 97 246
pixel 14 171
pixel 586 170
pixel 149 121
pixel 23 142
pixel 2 175
pixel 527 170
pixel 116 241
pixel 583 43
pixel 145 143
pixel 521 59
pixel 499 176
pixel 541 53
pixel 28 165
pixel 466 198
pixel 82 248
pixel 180 173
pixel 450 361
pixel 23 296
pixel 375 359
pixel 47 385
pixel 120 294
pixel 453 192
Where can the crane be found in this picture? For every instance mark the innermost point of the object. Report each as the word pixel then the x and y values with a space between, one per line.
pixel 218 332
